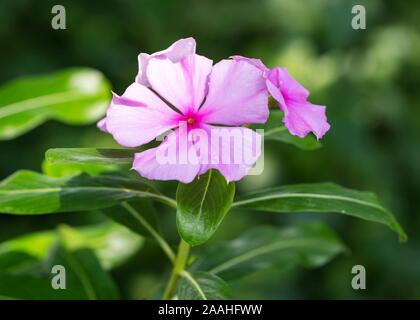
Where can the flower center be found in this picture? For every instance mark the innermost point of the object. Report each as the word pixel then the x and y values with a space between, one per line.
pixel 190 121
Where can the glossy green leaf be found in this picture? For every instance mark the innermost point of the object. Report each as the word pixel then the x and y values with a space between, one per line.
pixel 202 205
pixel 61 170
pixel 321 197
pixel 276 131
pixel 29 287
pixel 34 244
pixel 112 244
pixel 90 156
pixel 203 286
pixel 27 192
pixel 310 245
pixel 16 261
pixel 74 96
pixel 21 254
pixel 62 162
pixel 85 278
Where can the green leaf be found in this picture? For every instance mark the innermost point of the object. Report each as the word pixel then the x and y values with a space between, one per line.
pixel 27 192
pixel 310 245
pixel 16 261
pixel 91 156
pixel 85 252
pixel 274 130
pixel 22 253
pixel 61 162
pixel 74 96
pixel 202 205
pixel 85 278
pixel 113 244
pixel 144 214
pixel 29 287
pixel 61 170
pixel 34 244
pixel 321 197
pixel 203 286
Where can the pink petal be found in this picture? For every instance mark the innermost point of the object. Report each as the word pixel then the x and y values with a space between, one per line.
pixel 300 116
pixel 276 94
pixel 102 125
pixel 175 53
pixel 139 116
pixel 171 160
pixel 304 117
pixel 255 62
pixel 231 150
pixel 237 94
pixel 182 156
pixel 183 83
pixel 289 87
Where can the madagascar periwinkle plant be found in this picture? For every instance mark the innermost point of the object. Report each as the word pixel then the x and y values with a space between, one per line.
pixel 184 119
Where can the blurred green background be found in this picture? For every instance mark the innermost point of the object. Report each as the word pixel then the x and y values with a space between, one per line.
pixel 369 79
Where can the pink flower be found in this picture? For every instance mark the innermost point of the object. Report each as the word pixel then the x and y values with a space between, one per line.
pixel 178 89
pixel 175 53
pixel 300 116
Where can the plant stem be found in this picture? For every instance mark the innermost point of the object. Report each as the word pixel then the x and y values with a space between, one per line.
pixel 178 268
pixel 164 199
pixel 162 243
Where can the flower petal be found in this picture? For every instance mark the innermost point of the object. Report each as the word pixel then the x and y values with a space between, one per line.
pixel 171 160
pixel 175 53
pixel 288 86
pixel 231 150
pixel 139 116
pixel 101 125
pixel 237 94
pixel 300 116
pixel 255 62
pixel 304 117
pixel 183 83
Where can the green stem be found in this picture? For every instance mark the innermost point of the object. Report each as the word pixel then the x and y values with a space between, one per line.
pixel 164 199
pixel 162 243
pixel 178 268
